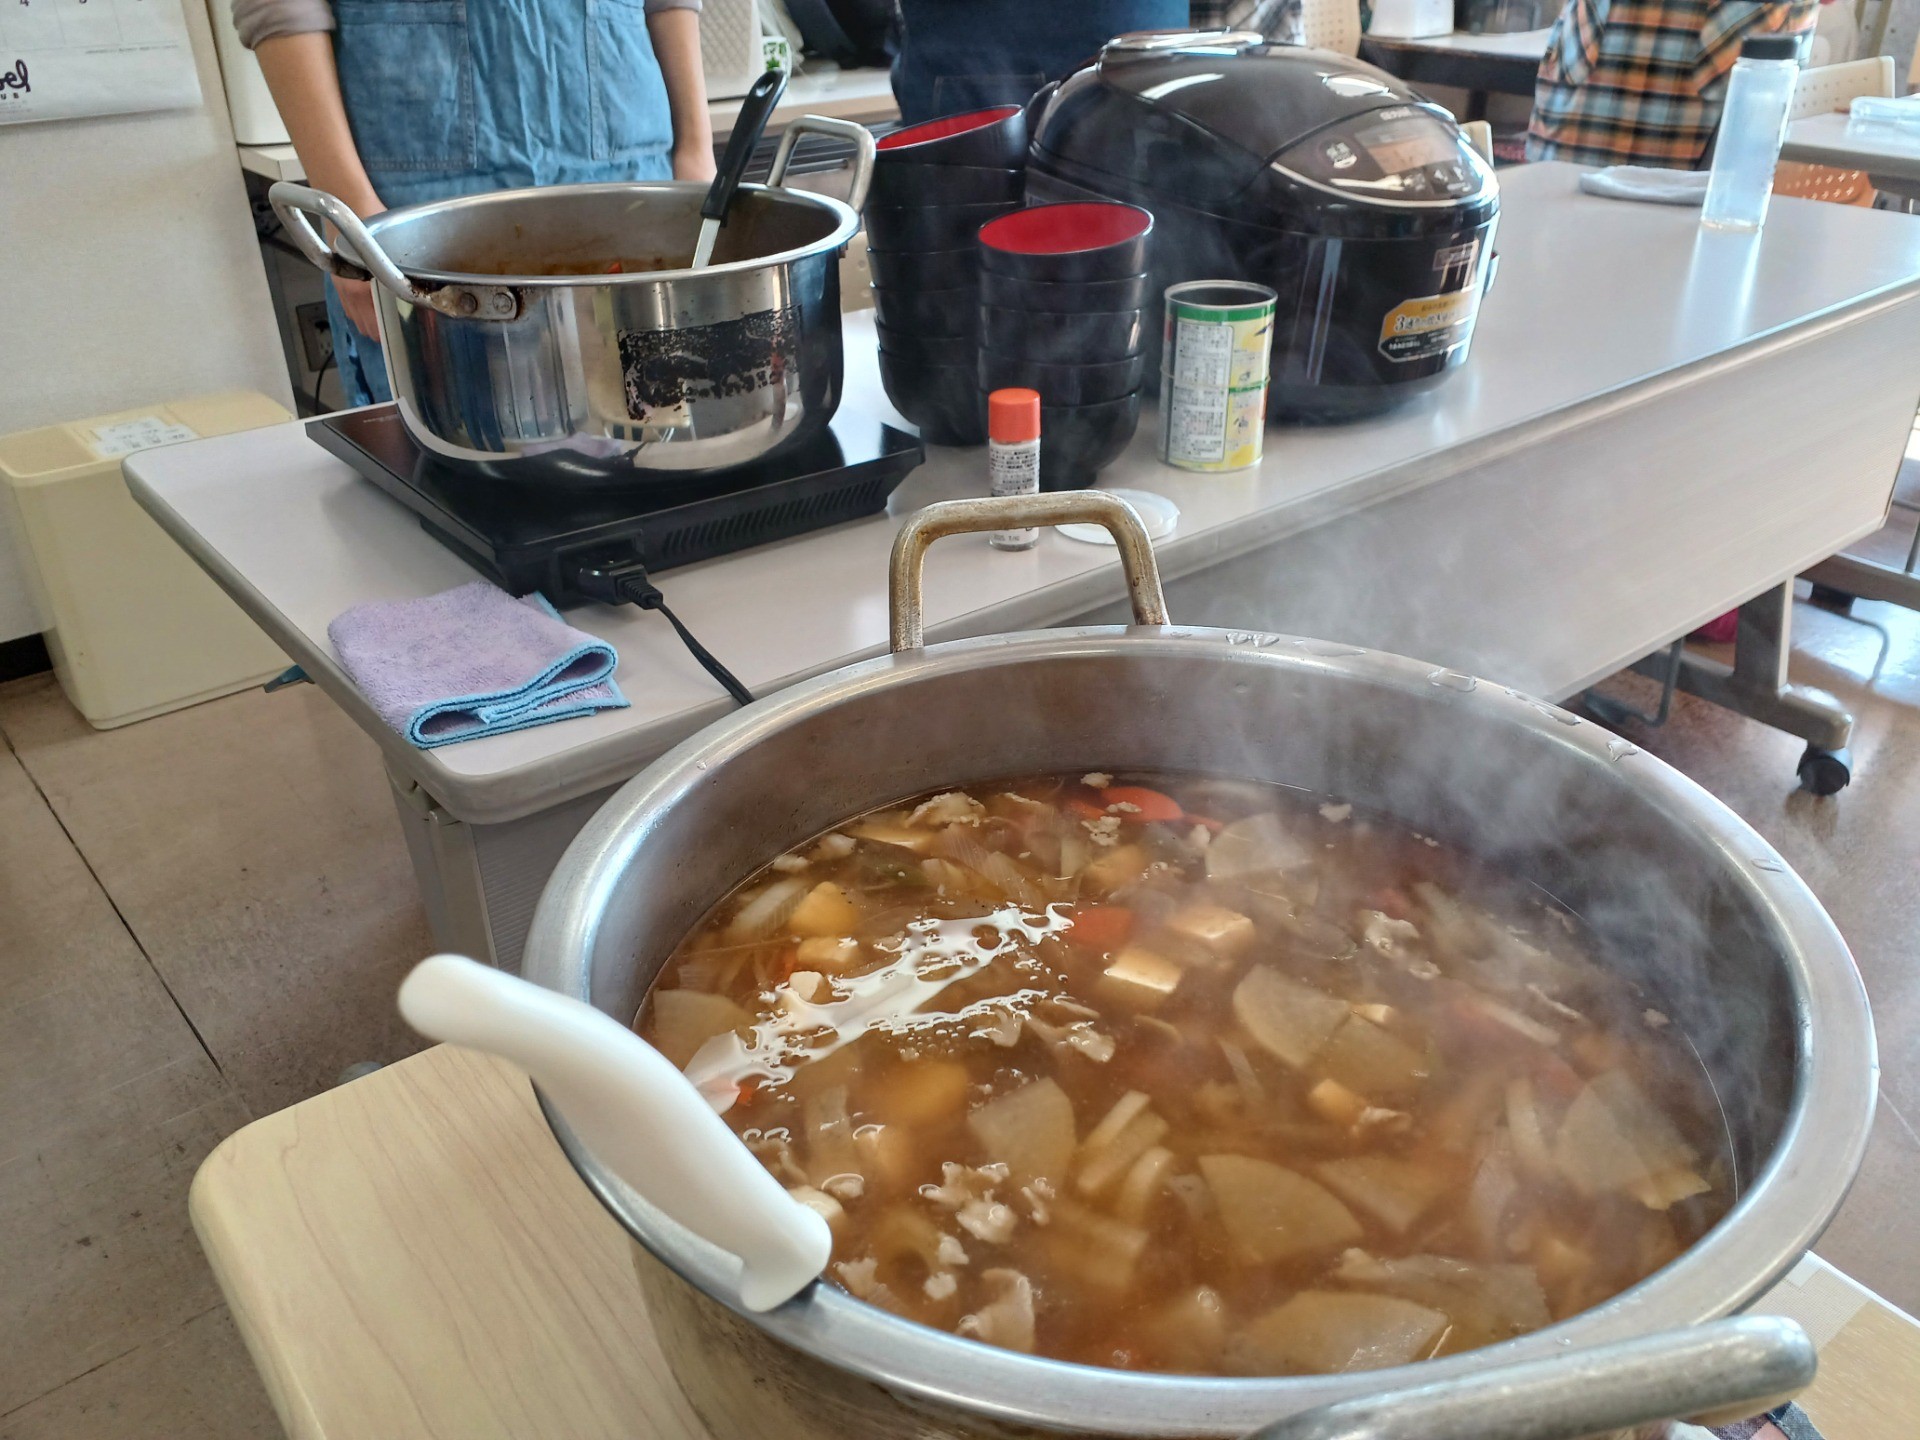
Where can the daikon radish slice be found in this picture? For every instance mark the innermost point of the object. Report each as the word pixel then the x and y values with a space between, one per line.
pixel 684 1020
pixel 1257 845
pixel 1271 1214
pixel 1371 1061
pixel 1029 1130
pixel 1290 1020
pixel 1394 1192
pixel 1614 1138
pixel 765 911
pixel 1323 1332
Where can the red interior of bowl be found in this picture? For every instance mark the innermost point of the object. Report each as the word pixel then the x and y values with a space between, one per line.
pixel 1065 229
pixel 946 125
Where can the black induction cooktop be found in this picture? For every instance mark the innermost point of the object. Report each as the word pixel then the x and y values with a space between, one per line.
pixel 544 536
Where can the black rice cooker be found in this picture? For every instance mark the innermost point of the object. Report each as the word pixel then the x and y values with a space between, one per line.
pixel 1360 203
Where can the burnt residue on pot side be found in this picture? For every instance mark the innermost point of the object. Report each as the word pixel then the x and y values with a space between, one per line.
pixel 662 369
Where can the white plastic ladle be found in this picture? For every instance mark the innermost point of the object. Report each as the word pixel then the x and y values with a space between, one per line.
pixel 635 1111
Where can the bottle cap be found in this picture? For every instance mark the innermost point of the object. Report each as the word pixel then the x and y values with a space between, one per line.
pixel 1770 47
pixel 1013 416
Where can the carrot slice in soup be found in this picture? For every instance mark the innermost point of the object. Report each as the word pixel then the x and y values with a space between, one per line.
pixel 1100 927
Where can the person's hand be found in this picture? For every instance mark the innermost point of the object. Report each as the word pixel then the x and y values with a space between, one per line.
pixel 356 298
pixel 693 162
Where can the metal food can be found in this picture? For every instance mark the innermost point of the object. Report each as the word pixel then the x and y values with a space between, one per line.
pixel 1213 374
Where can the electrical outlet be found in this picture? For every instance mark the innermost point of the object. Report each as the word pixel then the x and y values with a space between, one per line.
pixel 316 333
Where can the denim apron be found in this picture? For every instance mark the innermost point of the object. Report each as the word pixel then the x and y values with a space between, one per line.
pixel 958 55
pixel 458 97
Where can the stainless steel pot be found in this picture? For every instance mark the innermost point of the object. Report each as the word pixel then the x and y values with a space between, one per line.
pixel 1679 891
pixel 505 364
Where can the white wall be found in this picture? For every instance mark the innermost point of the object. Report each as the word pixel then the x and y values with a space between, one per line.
pixel 128 272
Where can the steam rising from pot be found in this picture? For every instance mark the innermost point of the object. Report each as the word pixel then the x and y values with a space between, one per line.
pixel 1670 923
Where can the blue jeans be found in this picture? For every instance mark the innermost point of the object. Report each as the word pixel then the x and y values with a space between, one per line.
pixel 357 358
pixel 447 97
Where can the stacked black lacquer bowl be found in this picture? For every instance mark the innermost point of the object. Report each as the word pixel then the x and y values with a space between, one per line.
pixel 1063 290
pixel 934 186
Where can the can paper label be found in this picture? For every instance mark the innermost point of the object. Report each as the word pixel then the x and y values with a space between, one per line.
pixel 1431 325
pixel 110 442
pixel 1214 402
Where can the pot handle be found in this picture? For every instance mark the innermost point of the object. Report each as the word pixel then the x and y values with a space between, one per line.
pixel 1020 512
pixel 863 152
pixel 1715 1373
pixel 296 205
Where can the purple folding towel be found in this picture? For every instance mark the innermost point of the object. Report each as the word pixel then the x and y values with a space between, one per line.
pixel 472 661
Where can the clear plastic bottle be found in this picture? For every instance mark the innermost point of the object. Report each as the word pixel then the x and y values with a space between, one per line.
pixel 1753 123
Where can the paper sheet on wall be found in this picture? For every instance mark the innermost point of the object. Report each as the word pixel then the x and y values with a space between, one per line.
pixel 64 59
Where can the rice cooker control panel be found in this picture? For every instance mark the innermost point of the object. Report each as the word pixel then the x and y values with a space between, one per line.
pixel 1401 153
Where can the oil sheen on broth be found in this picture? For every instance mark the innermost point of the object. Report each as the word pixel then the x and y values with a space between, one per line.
pixel 1170 1073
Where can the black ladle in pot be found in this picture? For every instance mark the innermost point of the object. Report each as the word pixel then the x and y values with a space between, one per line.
pixel 748 126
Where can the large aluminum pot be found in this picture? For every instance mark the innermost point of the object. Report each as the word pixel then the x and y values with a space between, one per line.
pixel 506 361
pixel 1701 910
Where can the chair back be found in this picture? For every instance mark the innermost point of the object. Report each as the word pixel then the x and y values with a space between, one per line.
pixel 1827 88
pixel 1331 25
pixel 1823 90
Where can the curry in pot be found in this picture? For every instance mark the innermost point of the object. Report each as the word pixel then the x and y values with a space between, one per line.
pixel 1170 1073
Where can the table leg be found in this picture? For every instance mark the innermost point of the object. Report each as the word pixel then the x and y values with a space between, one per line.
pixel 1897 185
pixel 480 883
pixel 1756 684
pixel 441 849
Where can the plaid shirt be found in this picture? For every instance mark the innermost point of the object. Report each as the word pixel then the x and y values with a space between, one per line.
pixel 1642 81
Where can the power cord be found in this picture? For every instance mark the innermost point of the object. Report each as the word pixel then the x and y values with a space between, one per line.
pixel 320 376
pixel 617 580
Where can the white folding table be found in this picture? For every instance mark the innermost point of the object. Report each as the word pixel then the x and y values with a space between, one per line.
pixel 1655 426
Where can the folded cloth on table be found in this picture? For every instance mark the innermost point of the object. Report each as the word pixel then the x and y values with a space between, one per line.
pixel 472 661
pixel 1644 182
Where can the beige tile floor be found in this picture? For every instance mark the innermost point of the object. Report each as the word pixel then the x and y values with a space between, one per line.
pixel 203 917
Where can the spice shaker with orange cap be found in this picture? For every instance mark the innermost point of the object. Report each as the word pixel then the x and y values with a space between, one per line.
pixel 1013 456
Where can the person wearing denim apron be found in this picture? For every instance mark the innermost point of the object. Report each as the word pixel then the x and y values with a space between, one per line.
pixel 460 97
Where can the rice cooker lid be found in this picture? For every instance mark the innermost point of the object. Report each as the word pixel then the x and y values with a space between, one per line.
pixel 1230 123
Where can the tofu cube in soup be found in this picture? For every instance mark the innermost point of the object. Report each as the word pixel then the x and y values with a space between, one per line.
pixel 1141 979
pixel 829 953
pixel 1223 932
pixel 1191 1074
pixel 825 911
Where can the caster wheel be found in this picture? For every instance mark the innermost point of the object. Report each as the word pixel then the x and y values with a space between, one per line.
pixel 1825 772
pixel 1828 598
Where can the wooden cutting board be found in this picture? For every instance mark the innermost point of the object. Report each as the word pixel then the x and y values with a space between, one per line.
pixel 410 1257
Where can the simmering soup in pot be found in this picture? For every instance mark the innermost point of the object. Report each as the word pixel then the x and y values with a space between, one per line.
pixel 1170 1073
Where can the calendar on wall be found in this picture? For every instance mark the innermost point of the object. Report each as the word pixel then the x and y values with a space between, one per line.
pixel 64 59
